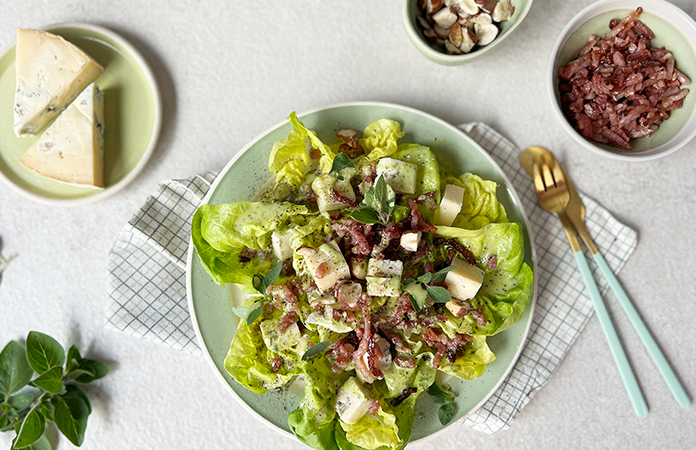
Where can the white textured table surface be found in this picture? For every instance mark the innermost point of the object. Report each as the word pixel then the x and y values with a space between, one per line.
pixel 227 73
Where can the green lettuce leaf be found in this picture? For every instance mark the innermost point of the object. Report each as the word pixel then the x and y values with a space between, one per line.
pixel 313 422
pixel 221 232
pixel 380 138
pixel 289 159
pixel 506 290
pixel 472 362
pixel 249 361
pixel 480 204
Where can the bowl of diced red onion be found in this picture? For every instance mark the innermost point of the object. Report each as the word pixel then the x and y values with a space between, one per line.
pixel 454 32
pixel 620 78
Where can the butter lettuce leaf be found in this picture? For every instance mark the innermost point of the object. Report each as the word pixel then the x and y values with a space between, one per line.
pixel 507 288
pixel 380 138
pixel 289 159
pixel 480 205
pixel 313 422
pixel 472 362
pixel 249 361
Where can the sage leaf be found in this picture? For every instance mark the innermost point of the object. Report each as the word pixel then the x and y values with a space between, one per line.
pixel 51 380
pixel 438 294
pixel 30 430
pixel 271 276
pixel 43 352
pixel 71 417
pixel 365 215
pixel 15 371
pixel 446 413
pixel 254 313
pixel 315 350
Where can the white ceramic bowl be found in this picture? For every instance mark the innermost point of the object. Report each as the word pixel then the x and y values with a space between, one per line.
pixel 674 29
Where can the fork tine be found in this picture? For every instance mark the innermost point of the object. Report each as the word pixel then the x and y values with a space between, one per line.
pixel 548 177
pixel 538 181
pixel 558 174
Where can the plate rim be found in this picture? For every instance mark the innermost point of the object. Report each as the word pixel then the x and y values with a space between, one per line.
pixel 512 192
pixel 154 135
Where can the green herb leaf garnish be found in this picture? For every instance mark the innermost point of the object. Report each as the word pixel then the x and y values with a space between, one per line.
pixel 377 205
pixel 340 162
pixel 445 397
pixel 315 350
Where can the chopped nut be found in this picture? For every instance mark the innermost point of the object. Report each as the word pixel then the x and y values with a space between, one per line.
pixel 485 33
pixel 467 6
pixel 503 11
pixel 442 33
pixel 455 35
pixel 451 49
pixel 482 18
pixel 487 5
pixel 446 17
pixel 469 40
pixel 433 6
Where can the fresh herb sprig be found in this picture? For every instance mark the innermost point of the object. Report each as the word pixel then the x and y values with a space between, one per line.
pixel 377 205
pixel 340 162
pixel 445 397
pixel 27 401
pixel 260 283
pixel 437 294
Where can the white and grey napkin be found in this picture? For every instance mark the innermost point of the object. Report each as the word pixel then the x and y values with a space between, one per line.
pixel 147 285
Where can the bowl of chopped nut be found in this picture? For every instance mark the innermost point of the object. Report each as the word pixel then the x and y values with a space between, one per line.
pixel 454 32
pixel 619 78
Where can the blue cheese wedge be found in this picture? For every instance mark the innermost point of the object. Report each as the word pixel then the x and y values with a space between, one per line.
pixel 71 150
pixel 352 401
pixel 51 73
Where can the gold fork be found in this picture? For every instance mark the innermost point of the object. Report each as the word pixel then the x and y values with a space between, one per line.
pixel 554 196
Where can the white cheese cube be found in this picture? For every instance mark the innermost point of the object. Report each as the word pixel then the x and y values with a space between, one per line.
pixel 450 205
pixel 71 150
pixel 352 401
pixel 277 341
pixel 383 286
pixel 281 244
pixel 323 187
pixel 326 265
pixel 458 307
pixel 384 268
pixel 410 240
pixel 402 176
pixel 464 282
pixel 50 73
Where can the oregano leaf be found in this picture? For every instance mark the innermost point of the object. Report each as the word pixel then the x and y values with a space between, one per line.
pixel 254 313
pixel 446 413
pixel 43 352
pixel 71 417
pixel 15 371
pixel 365 215
pixel 425 278
pixel 271 276
pixel 51 380
pixel 40 444
pixel 92 370
pixel 315 350
pixel 21 401
pixel 438 294
pixel 30 430
pixel 340 162
pixel 440 275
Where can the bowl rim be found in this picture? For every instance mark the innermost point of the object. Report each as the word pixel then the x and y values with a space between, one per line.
pixel 443 58
pixel 656 7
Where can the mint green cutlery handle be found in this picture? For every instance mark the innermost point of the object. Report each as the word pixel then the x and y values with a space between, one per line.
pixel 660 361
pixel 627 375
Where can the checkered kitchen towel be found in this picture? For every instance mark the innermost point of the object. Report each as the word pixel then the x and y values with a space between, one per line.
pixel 147 287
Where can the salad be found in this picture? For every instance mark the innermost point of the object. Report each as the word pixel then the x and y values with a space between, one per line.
pixel 368 270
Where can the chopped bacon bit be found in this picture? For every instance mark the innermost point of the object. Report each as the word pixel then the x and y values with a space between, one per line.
pixel 406 363
pixel 341 198
pixel 276 364
pixel 403 395
pixel 314 154
pixel 286 321
pixel 359 234
pixel 418 223
pixel 620 88
pixel 492 262
pixel 463 251
pixel 389 233
pixel 374 407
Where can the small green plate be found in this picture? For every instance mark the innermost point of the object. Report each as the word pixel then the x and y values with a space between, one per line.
pixel 132 115
pixel 209 303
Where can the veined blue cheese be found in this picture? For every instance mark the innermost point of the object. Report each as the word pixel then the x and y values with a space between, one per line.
pixel 71 150
pixel 51 73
